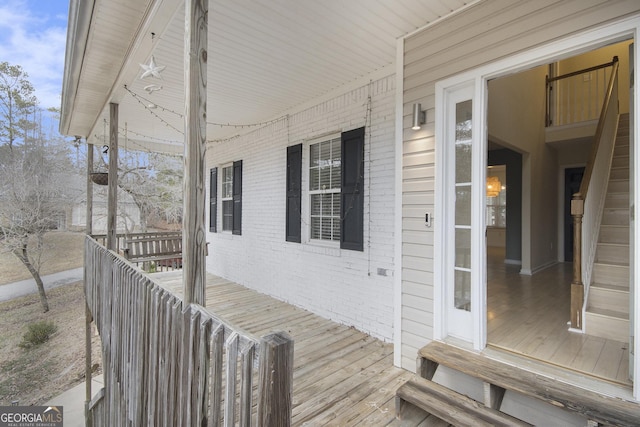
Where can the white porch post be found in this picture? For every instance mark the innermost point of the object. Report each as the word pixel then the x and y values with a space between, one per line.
pixel 193 225
pixel 112 203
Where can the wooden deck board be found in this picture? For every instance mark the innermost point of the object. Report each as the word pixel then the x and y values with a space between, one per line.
pixel 341 376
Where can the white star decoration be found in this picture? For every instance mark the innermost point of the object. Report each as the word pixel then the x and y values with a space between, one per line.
pixel 152 69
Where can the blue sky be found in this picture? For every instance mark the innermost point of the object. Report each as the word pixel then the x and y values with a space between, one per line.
pixel 33 35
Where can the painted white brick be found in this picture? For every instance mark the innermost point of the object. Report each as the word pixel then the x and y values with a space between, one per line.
pixel 337 284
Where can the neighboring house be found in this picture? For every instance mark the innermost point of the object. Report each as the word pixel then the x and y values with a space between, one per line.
pixel 128 213
pixel 347 169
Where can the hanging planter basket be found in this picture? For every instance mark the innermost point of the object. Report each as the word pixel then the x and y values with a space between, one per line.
pixel 100 178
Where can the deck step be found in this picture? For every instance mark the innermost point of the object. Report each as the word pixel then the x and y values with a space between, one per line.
pixel 612 253
pixel 449 405
pixel 614 234
pixel 591 404
pixel 610 324
pixel 611 298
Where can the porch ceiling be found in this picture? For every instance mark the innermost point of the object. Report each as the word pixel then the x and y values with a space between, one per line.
pixel 266 58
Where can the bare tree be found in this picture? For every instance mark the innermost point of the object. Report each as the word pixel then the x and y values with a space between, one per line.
pixel 154 182
pixel 32 178
pixel 17 104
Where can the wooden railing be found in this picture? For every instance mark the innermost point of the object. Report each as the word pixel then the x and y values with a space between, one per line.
pixel 578 96
pixel 170 364
pixel 587 204
pixel 152 251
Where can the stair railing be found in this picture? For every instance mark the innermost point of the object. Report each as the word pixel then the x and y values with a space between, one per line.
pixel 577 96
pixel 587 211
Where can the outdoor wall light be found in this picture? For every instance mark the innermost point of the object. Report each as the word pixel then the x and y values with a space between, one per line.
pixel 419 117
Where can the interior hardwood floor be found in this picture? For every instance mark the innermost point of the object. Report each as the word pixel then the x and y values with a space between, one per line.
pixel 341 377
pixel 528 315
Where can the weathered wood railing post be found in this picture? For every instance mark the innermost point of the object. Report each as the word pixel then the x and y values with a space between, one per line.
pixel 112 201
pixel 275 388
pixel 577 287
pixel 195 78
pixel 87 312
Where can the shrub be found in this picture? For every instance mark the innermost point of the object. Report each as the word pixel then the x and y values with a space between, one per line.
pixel 38 333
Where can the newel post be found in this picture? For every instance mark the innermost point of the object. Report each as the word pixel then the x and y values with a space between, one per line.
pixel 577 287
pixel 194 236
pixel 275 388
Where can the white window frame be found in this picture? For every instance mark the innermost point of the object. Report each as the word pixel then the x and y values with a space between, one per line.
pixel 307 193
pixel 445 201
pixel 223 199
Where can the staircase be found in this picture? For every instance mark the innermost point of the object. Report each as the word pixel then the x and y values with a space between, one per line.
pixel 607 313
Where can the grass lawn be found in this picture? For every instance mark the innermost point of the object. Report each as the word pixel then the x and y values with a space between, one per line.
pixel 64 251
pixel 33 376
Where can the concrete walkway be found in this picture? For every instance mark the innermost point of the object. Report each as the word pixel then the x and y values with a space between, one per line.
pixel 72 402
pixel 27 287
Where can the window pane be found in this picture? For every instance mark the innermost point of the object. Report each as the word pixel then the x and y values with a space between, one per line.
pixel 227 215
pixel 325 179
pixel 462 290
pixel 463 205
pixel 314 179
pixel 336 155
pixel 463 120
pixel 227 182
pixel 315 227
pixel 463 248
pixel 463 161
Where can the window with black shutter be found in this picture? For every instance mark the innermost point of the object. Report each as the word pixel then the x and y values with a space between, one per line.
pixel 294 193
pixel 336 189
pixel 213 200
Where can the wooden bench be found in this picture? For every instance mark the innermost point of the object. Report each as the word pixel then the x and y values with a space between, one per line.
pixel 499 377
pixel 162 249
pixel 448 405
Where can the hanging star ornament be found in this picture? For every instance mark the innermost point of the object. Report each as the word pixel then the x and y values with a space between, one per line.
pixel 152 69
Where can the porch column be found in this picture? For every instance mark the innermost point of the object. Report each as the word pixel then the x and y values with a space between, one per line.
pixel 87 313
pixel 193 224
pixel 112 202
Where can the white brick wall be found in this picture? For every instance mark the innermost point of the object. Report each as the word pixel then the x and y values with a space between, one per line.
pixel 342 285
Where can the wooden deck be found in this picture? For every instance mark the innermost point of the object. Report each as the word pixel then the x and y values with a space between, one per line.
pixel 341 376
pixel 528 315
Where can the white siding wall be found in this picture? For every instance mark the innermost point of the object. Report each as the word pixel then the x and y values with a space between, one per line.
pixel 351 287
pixel 483 33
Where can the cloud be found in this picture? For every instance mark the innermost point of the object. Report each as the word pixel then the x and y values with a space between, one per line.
pixel 37 43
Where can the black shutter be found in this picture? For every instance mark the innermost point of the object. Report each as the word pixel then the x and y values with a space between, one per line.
pixel 294 192
pixel 237 197
pixel 352 193
pixel 213 200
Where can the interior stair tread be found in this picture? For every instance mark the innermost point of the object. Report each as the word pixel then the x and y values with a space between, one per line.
pixel 611 287
pixel 612 264
pixel 608 313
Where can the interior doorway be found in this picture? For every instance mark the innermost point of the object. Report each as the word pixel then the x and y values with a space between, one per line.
pixel 528 291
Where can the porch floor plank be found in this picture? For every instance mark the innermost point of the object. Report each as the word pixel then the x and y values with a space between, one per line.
pixel 341 376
